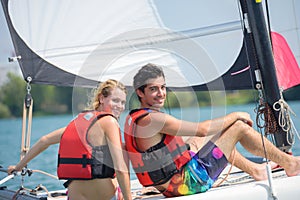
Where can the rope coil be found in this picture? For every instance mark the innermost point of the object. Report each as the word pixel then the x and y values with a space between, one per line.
pixel 265 114
pixel 284 119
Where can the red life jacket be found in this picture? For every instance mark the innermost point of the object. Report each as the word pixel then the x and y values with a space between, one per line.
pixel 160 162
pixel 77 158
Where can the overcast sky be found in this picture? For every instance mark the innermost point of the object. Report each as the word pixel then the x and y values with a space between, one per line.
pixel 6 48
pixel 5 41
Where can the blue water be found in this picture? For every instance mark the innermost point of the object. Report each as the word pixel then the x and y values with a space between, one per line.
pixel 10 140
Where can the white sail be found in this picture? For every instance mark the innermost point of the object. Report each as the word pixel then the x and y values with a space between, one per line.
pixel 196 41
pixel 74 36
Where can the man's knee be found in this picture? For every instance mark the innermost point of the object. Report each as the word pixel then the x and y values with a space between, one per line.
pixel 236 131
pixel 240 127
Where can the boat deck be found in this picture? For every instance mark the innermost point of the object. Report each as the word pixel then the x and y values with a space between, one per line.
pixel 237 184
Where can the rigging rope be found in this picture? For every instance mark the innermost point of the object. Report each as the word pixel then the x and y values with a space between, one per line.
pixel 284 113
pixel 264 113
pixel 26 124
pixel 21 190
pixel 45 173
pixel 26 135
pixel 225 178
pixel 284 119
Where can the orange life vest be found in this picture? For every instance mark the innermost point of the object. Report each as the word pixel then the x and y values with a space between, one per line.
pixel 77 158
pixel 160 162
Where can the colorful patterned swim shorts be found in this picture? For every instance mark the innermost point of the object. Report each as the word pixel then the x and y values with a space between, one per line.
pixel 199 174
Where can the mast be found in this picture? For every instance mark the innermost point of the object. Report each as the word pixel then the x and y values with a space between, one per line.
pixel 261 44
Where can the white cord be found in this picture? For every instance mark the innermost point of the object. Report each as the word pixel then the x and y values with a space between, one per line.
pixel 284 119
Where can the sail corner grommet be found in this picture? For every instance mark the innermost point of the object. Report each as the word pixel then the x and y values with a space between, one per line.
pixel 28 79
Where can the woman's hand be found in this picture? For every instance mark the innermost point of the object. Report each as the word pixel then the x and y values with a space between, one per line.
pixel 11 169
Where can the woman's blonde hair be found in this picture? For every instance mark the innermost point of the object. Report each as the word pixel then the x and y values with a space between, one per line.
pixel 105 89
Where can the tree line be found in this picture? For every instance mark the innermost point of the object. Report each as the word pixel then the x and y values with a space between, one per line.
pixel 46 99
pixel 52 100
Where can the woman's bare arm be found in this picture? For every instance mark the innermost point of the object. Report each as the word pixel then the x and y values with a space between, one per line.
pixel 43 143
pixel 112 132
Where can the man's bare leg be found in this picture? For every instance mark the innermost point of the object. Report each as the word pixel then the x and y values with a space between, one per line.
pixel 257 171
pixel 252 142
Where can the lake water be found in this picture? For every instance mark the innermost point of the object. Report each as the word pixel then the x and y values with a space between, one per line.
pixel 10 140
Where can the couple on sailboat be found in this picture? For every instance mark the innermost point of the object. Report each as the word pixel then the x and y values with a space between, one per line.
pixel 161 156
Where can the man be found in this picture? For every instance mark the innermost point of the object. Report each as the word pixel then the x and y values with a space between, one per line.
pixel 162 159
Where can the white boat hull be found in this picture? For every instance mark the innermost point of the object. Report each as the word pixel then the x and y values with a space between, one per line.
pixel 285 188
pixel 238 185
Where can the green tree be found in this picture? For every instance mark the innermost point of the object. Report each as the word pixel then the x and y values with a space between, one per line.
pixel 63 95
pixel 77 99
pixel 13 93
pixel 47 99
pixel 4 111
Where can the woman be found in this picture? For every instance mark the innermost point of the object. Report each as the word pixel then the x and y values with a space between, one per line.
pixel 93 133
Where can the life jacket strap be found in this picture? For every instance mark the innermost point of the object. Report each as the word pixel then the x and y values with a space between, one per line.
pixel 84 161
